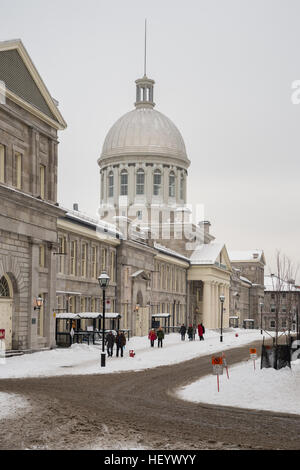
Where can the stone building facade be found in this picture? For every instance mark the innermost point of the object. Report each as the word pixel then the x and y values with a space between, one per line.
pixel 159 262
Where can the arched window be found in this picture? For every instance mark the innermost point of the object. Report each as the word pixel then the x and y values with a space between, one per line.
pixel 140 182
pixel 110 184
pixel 182 187
pixel 124 183
pixel 4 287
pixel 172 184
pixel 156 183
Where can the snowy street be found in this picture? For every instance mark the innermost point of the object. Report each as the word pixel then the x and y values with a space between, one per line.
pixel 67 394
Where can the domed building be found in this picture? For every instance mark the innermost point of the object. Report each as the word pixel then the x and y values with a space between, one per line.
pixel 143 164
pixel 167 271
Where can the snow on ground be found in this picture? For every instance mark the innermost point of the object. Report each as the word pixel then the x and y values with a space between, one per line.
pixel 263 389
pixel 84 359
pixel 11 405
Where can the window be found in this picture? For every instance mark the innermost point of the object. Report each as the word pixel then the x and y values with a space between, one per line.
pixel 93 304
pixel 112 266
pixel 283 323
pixel 4 287
pixel 140 182
pixel 18 169
pixel 139 215
pixel 157 183
pixel 110 184
pixel 94 262
pixel 42 256
pixel 124 183
pixel 83 259
pixel 273 308
pixel 182 187
pixel 71 302
pixel 42 181
pixel 272 324
pixel 83 304
pixel 172 184
pixel 61 249
pixel 2 163
pixel 73 257
pixel 103 259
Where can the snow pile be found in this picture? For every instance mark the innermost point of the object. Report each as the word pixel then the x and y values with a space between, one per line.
pixel 263 389
pixel 84 359
pixel 11 405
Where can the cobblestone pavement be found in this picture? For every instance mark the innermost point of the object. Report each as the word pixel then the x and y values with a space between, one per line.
pixel 139 410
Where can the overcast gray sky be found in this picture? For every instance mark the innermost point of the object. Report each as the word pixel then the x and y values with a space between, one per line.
pixel 223 71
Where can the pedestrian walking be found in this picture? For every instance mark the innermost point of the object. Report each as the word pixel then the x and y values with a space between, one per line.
pixel 200 331
pixel 190 332
pixel 120 342
pixel 160 336
pixel 110 341
pixel 203 329
pixel 182 331
pixel 152 336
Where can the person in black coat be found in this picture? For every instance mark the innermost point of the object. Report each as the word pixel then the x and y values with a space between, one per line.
pixel 110 341
pixel 120 342
pixel 182 331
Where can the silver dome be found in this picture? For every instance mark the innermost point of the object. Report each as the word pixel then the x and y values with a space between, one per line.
pixel 144 131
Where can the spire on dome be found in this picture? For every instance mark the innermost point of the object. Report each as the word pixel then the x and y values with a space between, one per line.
pixel 144 86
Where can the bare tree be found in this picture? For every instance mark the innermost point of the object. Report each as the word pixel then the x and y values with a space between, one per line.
pixel 285 297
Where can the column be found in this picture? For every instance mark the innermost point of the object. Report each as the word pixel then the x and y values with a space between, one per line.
pixel 49 322
pixel 34 292
pixel 207 320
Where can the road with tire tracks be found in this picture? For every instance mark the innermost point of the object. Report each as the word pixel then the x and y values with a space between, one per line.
pixel 139 410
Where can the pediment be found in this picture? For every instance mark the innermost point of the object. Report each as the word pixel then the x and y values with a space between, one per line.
pixel 24 85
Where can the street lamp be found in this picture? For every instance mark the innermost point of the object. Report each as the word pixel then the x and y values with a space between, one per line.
pixel 103 282
pixel 222 299
pixel 261 312
pixel 38 303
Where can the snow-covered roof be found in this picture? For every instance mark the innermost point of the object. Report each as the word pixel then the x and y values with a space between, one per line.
pixel 161 315
pixel 170 252
pixel 247 255
pixel 99 224
pixel 86 316
pixel 245 280
pixel 67 316
pixel 207 253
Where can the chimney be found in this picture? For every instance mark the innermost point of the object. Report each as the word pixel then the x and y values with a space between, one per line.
pixel 75 207
pixel 204 225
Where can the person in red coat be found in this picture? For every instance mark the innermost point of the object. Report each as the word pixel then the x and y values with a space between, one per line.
pixel 200 331
pixel 152 336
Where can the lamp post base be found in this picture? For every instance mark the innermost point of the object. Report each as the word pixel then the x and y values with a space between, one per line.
pixel 103 357
pixel 221 339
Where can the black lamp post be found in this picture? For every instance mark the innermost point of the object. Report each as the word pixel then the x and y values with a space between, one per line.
pixel 222 299
pixel 261 312
pixel 103 282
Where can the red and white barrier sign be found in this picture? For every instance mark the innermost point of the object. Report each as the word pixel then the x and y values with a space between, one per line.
pixel 217 363
pixel 2 334
pixel 253 355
